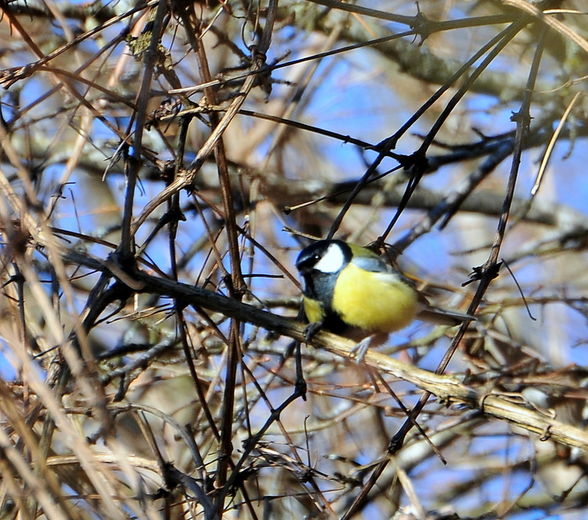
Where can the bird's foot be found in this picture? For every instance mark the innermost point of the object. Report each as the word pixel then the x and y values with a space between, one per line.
pixel 361 348
pixel 311 330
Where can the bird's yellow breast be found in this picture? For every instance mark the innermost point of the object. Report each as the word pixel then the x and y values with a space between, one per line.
pixel 314 310
pixel 373 301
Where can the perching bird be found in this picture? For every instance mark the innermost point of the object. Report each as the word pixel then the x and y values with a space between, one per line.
pixel 351 291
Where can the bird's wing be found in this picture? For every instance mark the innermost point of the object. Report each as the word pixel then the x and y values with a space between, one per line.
pixel 371 263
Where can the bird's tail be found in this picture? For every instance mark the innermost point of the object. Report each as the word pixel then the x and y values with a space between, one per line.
pixel 443 316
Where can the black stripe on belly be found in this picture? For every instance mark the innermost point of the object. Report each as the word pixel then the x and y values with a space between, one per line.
pixel 333 323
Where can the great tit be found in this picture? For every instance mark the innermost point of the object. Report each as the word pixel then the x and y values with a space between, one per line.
pixel 351 291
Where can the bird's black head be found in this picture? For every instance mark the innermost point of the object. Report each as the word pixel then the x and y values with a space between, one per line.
pixel 320 264
pixel 324 256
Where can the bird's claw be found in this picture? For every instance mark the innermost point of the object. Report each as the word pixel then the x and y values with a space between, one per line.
pixel 311 330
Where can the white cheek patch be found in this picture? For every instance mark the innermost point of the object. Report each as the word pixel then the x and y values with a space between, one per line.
pixel 332 261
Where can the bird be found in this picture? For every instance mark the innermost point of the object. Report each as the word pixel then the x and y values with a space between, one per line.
pixel 351 291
